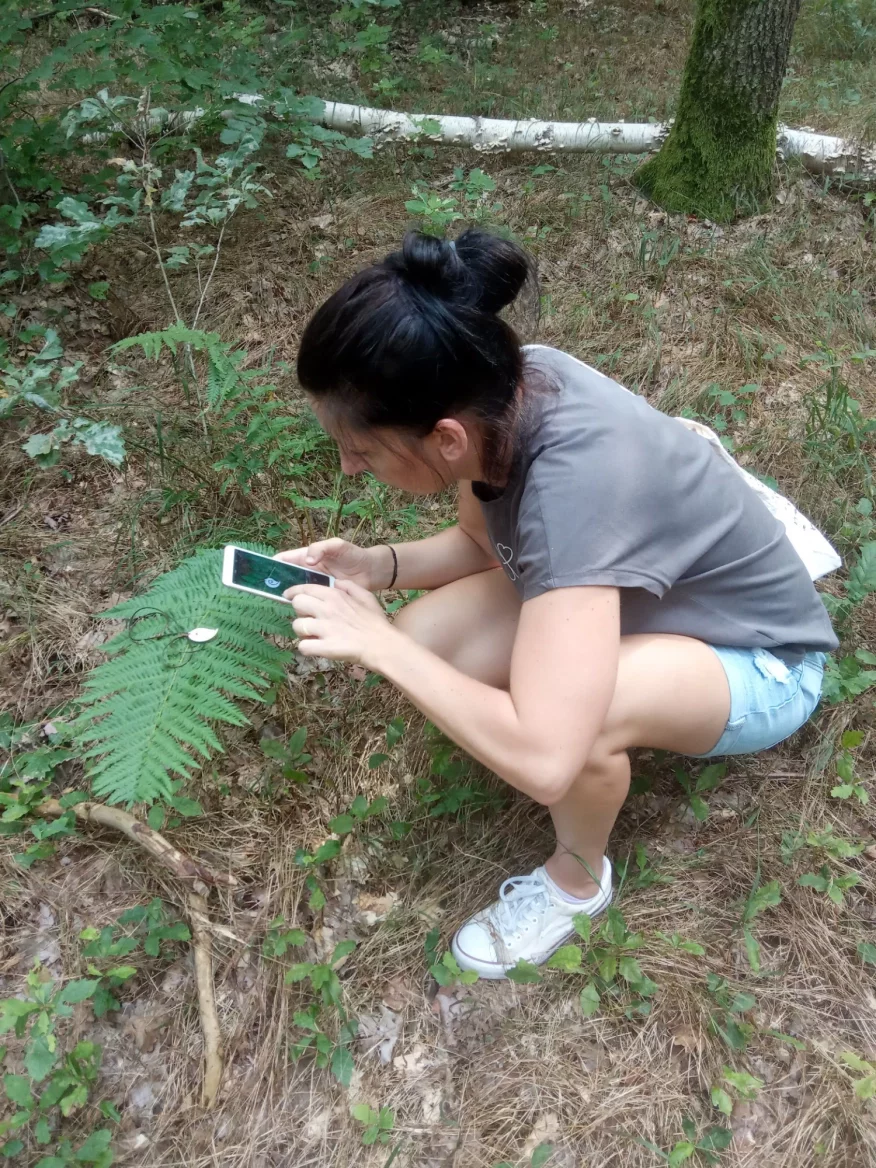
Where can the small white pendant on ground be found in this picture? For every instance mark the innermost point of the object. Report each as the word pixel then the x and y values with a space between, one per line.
pixel 200 635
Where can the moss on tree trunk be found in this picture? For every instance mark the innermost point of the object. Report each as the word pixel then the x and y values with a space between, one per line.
pixel 719 156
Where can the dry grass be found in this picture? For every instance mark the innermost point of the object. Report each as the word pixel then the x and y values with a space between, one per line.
pixel 482 1074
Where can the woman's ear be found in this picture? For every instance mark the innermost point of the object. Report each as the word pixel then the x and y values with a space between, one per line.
pixel 450 440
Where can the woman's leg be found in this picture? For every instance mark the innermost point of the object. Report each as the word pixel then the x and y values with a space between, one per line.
pixel 671 694
pixel 471 623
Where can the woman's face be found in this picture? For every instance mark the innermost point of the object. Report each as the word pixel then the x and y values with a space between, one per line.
pixel 420 466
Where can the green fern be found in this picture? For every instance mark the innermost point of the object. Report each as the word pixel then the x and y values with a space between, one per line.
pixel 223 362
pixel 147 713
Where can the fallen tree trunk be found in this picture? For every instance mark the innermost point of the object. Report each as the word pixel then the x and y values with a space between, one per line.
pixel 819 153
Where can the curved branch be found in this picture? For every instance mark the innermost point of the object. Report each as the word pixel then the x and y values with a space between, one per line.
pixel 181 865
pixel 202 927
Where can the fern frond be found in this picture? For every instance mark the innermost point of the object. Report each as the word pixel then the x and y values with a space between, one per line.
pixel 148 711
pixel 224 377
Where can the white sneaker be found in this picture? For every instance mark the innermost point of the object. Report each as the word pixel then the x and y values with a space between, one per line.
pixel 528 922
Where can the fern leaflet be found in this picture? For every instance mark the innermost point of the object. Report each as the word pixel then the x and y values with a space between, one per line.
pixel 148 712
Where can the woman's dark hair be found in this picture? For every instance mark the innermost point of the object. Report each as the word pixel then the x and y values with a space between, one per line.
pixel 417 337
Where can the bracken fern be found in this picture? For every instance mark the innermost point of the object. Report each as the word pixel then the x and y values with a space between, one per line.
pixel 148 712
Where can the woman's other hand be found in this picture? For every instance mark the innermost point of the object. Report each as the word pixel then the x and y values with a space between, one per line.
pixel 370 568
pixel 344 623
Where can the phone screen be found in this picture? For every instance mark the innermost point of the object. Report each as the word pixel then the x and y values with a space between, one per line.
pixel 270 577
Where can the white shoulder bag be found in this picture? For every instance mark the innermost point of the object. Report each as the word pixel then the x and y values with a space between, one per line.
pixel 810 545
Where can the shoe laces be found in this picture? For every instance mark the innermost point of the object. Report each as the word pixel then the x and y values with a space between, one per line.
pixel 520 899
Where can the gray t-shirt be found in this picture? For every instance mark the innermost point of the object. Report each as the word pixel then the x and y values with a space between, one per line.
pixel 608 490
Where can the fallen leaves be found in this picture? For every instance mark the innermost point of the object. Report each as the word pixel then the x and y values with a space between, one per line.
pixel 379 1033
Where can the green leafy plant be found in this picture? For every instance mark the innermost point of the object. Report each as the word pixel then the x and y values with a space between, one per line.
pixel 25 778
pixel 644 874
pixel 53 1078
pixel 607 960
pixel 727 1019
pixel 706 1145
pixel 280 938
pixel 444 967
pixel 760 899
pixel 290 756
pixel 328 1051
pixel 475 187
pixel 38 384
pixel 245 419
pixel 451 785
pixel 826 840
pixel 707 780
pixel 378 1124
pixel 147 927
pixel 723 408
pixel 833 887
pixel 865 1086
pixel 850 786
pixel 839 436
pixel 675 941
pixel 848 677
pixel 178 808
pixel 436 211
pixel 332 1052
pixel 359 811
pixel 743 1085
pixel 858 585
pixel 149 710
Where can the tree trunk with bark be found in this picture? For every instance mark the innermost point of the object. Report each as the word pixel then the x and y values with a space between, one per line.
pixel 719 156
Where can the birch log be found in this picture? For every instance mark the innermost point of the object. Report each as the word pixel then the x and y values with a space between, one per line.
pixel 819 153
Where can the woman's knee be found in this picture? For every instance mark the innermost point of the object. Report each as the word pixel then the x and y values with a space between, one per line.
pixel 420 620
pixel 471 623
pixel 606 775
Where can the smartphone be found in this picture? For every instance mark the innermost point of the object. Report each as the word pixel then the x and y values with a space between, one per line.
pixel 251 572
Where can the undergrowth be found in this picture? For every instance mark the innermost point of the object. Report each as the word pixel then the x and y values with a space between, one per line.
pixel 158 273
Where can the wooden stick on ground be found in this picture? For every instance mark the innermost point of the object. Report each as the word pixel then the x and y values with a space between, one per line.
pixel 184 868
pixel 181 865
pixel 203 953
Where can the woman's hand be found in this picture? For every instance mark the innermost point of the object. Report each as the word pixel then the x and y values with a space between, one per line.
pixel 344 623
pixel 370 568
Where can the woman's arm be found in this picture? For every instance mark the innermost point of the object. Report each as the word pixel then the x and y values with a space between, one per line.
pixel 539 735
pixel 440 559
pixel 428 563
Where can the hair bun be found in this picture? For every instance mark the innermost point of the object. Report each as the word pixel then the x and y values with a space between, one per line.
pixel 431 264
pixel 498 269
pixel 478 270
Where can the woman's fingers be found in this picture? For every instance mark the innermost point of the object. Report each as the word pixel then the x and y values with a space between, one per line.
pixel 309 594
pixel 323 549
pixel 295 556
pixel 310 627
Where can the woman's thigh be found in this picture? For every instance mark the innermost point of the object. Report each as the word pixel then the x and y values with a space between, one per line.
pixel 671 692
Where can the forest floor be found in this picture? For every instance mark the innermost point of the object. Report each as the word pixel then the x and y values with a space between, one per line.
pixel 761 328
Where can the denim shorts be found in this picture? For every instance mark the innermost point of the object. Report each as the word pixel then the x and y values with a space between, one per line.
pixel 769 700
